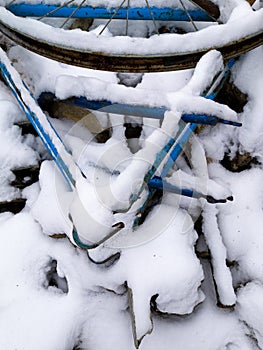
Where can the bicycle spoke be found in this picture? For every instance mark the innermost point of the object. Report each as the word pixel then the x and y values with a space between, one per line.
pixel 151 14
pixel 55 10
pixel 189 16
pixel 126 61
pixel 72 14
pixel 127 17
pixel 10 3
pixel 112 17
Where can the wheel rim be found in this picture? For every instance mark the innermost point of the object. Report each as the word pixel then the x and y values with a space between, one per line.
pixel 130 58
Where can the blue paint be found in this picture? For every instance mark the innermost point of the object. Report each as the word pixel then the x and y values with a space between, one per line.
pixel 116 228
pixel 135 111
pixel 158 159
pixel 180 143
pixel 158 184
pixel 137 13
pixel 45 138
pixel 154 183
pixel 212 93
pixel 220 80
pixel 79 243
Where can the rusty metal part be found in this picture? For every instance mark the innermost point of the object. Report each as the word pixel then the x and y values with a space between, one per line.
pixel 131 301
pixel 209 7
pixel 129 63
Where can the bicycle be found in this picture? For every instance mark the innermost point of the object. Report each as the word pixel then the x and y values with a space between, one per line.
pixel 124 49
pixel 172 147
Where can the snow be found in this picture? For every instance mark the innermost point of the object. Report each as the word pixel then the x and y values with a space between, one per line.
pixel 254 106
pixel 25 302
pixel 14 151
pixel 250 309
pixel 53 296
pixel 244 24
pixel 55 218
pixel 216 246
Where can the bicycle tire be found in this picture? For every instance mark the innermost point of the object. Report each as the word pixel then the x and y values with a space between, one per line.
pixel 123 62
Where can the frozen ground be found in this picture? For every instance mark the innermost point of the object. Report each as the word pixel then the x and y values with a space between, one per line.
pixel 53 297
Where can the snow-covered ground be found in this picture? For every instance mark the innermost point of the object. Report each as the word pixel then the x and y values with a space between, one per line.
pixel 157 291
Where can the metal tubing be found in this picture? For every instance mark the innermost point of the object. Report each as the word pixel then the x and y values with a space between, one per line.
pixel 157 183
pixel 181 141
pixel 190 127
pixel 116 228
pixel 45 137
pixel 52 149
pixel 136 13
pixel 179 145
pixel 133 110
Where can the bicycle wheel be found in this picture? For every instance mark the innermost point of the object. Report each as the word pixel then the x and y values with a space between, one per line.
pixel 115 45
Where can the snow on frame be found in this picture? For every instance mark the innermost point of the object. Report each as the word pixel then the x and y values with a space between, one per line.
pixel 38 315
